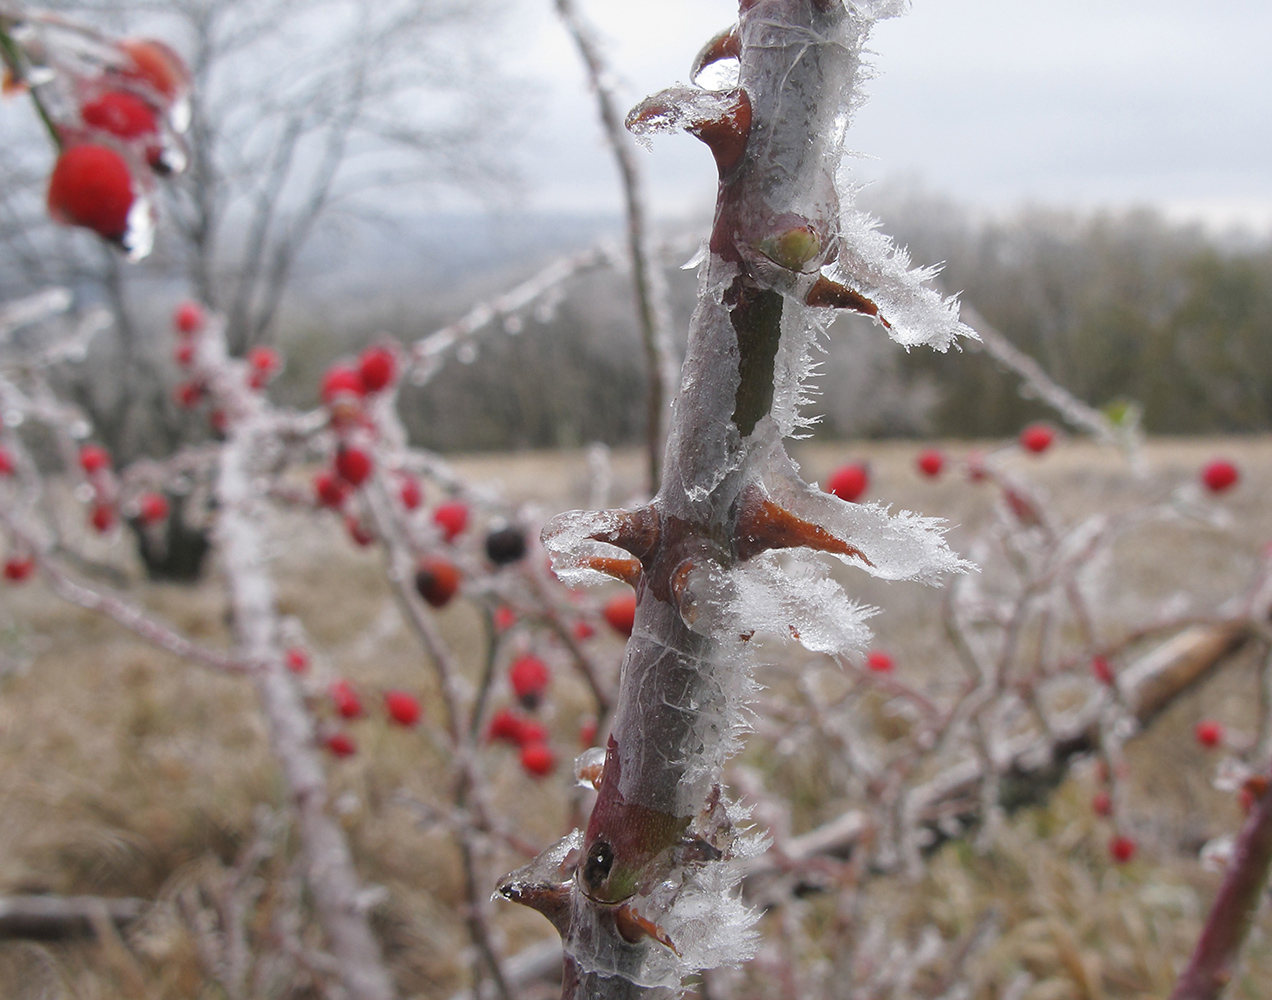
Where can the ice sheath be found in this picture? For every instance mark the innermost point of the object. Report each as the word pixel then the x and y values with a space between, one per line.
pixel 646 895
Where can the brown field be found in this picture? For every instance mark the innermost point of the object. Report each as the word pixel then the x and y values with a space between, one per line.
pixel 126 773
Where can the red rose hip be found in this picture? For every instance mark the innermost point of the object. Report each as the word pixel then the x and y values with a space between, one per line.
pixel 1220 475
pixel 1037 438
pixel 402 707
pixel 848 482
pixel 621 614
pixel 930 462
pixel 452 518
pixel 91 186
pixel 538 759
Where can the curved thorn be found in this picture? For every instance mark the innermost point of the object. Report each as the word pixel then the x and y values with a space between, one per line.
pixel 727 135
pixel 550 899
pixel 830 294
pixel 635 531
pixel 763 525
pixel 626 570
pixel 632 926
pixel 725 45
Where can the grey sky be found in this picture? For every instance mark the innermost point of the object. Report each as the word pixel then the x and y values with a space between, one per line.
pixel 995 102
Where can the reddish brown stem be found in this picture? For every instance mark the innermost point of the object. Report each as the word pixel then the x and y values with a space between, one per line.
pixel 1214 962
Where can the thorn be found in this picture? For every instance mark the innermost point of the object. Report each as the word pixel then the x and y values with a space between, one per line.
pixel 632 926
pixel 550 899
pixel 831 294
pixel 698 850
pixel 727 135
pixel 725 45
pixel 763 525
pixel 626 570
pixel 635 531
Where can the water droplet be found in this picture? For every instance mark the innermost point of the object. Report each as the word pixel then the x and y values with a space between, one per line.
pixel 466 353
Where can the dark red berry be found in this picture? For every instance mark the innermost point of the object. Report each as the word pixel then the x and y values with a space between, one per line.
pixel 1209 733
pixel 437 580
pixel 506 545
pixel 1102 671
pixel 296 659
pixel 6 462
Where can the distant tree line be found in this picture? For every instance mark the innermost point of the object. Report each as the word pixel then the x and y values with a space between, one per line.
pixel 1123 310
pixel 1120 309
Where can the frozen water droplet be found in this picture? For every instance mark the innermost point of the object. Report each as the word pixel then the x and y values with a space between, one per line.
pixel 139 238
pixel 513 325
pixel 80 429
pixel 588 767
pixel 84 493
pixel 466 353
pixel 14 418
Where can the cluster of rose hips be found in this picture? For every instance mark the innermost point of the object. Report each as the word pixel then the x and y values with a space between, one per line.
pixel 400 707
pixel 116 110
pixel 529 677
pixel 189 321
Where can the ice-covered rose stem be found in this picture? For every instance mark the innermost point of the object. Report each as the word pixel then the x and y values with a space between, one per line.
pixel 645 897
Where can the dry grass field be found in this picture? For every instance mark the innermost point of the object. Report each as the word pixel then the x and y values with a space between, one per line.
pixel 126 773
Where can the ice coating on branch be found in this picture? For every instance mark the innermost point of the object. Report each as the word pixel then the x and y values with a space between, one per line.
pixel 874 265
pixel 567 537
pixel 697 914
pixel 795 597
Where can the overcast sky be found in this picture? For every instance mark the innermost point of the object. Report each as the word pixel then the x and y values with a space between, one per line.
pixel 994 102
